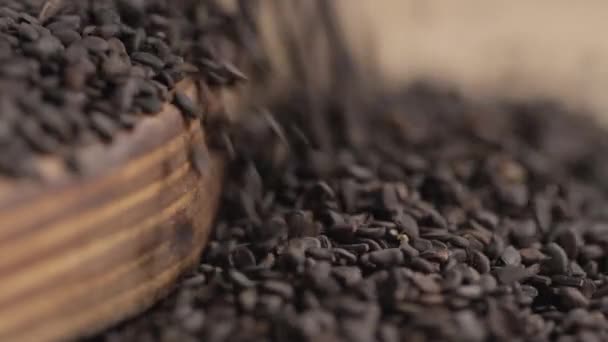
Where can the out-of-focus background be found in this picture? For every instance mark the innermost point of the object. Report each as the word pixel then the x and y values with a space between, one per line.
pixel 520 49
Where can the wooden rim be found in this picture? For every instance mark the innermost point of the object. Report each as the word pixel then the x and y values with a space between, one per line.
pixel 80 253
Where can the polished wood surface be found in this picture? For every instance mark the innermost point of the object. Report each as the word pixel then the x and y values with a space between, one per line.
pixel 78 253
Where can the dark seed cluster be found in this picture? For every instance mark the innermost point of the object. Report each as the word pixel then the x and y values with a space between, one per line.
pixel 73 72
pixel 454 221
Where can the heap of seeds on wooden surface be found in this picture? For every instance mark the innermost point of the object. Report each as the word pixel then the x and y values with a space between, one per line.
pixel 74 72
pixel 454 221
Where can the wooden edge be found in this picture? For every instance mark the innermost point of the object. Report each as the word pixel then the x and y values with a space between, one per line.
pixel 100 158
pixel 25 197
pixel 78 254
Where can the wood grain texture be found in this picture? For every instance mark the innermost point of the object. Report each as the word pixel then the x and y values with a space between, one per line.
pixel 78 253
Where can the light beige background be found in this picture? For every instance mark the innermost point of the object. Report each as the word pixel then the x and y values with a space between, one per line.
pixel 554 48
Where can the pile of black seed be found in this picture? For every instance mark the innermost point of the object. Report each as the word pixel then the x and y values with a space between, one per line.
pixel 452 221
pixel 73 72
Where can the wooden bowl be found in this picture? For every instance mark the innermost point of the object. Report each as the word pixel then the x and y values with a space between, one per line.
pixel 79 253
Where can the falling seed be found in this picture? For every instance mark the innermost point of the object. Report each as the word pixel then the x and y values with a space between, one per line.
pixel 49 9
pixel 185 104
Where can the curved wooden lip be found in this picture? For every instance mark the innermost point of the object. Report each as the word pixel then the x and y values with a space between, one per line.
pixel 100 158
pixel 18 197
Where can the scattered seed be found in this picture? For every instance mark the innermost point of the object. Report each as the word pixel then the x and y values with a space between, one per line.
pixel 558 260
pixel 510 274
